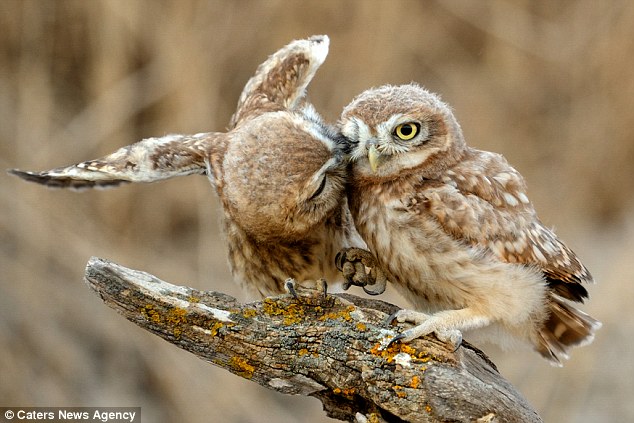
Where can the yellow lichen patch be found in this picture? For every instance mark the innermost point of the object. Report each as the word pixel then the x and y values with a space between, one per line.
pixel 415 382
pixel 249 312
pixel 373 418
pixel 193 299
pixel 176 316
pixel 343 314
pixel 303 352
pixel 173 317
pixel 428 408
pixel 293 312
pixel 242 368
pixel 399 391
pixel 348 393
pixel 361 327
pixel 425 357
pixel 149 313
pixel 215 328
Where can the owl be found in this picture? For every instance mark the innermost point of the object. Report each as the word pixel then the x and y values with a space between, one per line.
pixel 454 231
pixel 279 172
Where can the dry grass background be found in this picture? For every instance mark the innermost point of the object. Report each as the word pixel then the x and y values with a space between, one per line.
pixel 548 84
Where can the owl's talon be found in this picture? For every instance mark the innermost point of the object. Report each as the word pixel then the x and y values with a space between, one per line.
pixel 289 286
pixel 340 260
pixel 397 338
pixel 380 290
pixel 322 286
pixel 380 282
pixel 392 317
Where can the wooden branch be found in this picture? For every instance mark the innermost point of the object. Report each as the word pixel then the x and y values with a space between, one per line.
pixel 326 347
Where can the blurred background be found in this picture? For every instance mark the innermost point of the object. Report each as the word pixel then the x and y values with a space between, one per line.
pixel 548 84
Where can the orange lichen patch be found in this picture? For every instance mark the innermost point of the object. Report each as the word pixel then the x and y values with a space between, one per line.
pixel 396 348
pixel 428 408
pixel 348 393
pixel 399 391
pixel 386 353
pixel 242 368
pixel 404 348
pixel 149 313
pixel 343 314
pixel 415 382
pixel 293 312
pixel 249 312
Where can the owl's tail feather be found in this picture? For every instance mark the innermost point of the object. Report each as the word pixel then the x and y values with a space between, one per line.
pixel 566 327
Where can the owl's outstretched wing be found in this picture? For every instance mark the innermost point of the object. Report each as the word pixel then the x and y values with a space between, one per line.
pixel 149 160
pixel 280 82
pixel 482 201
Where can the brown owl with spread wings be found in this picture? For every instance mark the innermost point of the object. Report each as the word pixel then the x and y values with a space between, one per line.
pixel 279 172
pixel 454 231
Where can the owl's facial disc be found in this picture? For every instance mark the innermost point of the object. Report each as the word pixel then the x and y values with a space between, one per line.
pixel 394 138
pixel 385 145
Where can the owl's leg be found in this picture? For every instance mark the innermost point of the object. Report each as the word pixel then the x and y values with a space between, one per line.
pixel 352 263
pixel 446 325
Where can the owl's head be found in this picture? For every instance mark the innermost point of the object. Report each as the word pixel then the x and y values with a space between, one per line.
pixel 284 173
pixel 397 128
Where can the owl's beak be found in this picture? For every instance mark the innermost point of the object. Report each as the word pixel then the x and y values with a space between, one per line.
pixel 374 157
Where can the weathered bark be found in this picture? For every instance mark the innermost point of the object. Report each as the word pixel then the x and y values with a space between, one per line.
pixel 326 347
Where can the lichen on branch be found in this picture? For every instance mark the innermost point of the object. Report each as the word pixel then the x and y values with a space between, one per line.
pixel 330 347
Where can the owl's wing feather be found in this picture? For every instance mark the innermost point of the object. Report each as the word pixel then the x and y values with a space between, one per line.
pixel 482 201
pixel 149 160
pixel 280 82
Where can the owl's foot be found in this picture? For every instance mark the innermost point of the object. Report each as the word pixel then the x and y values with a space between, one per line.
pixel 425 324
pixel 318 287
pixel 352 263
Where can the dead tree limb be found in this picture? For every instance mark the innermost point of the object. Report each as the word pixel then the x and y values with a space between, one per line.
pixel 326 347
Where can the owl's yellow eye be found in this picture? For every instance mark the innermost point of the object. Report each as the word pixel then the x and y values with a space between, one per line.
pixel 406 131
